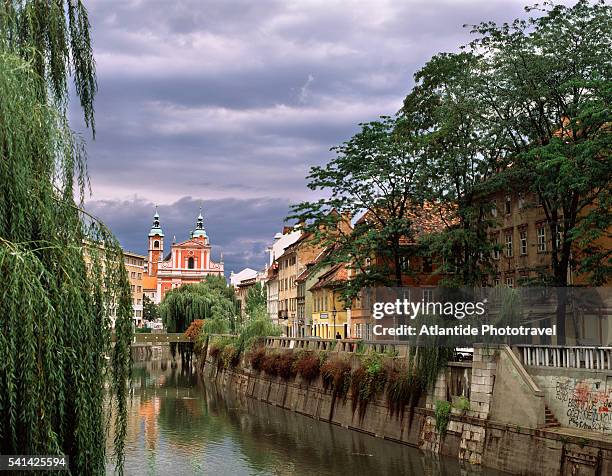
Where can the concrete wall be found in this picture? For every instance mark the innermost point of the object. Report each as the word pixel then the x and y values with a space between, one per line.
pixel 474 437
pixel 516 397
pixel 578 398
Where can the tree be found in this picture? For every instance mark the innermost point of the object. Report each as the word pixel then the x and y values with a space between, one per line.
pixel 375 174
pixel 62 270
pixel 210 299
pixel 149 309
pixel 256 300
pixel 443 114
pixel 546 82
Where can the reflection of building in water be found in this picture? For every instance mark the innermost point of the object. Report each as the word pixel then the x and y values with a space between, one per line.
pixel 148 411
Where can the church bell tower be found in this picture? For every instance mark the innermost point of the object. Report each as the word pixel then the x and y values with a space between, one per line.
pixel 156 245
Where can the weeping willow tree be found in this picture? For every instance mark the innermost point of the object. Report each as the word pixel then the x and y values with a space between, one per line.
pixel 62 270
pixel 210 299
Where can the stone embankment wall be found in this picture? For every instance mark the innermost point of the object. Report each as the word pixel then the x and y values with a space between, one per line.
pixel 501 429
pixel 578 398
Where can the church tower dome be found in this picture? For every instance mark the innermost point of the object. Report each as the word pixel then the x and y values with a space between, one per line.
pixel 200 232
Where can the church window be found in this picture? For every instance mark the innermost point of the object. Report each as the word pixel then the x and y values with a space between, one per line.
pixel 190 263
pixel 156 244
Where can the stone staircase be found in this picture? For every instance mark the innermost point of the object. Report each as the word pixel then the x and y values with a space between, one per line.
pixel 549 419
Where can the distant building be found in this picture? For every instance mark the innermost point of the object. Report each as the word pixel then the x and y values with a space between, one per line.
pixel 188 262
pixel 134 264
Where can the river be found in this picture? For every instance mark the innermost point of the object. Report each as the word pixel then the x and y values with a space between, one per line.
pixel 181 425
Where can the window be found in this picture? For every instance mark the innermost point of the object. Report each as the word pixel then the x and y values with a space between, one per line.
pixel 494 209
pixel 496 253
pixel 190 263
pixel 132 287
pixel 510 282
pixel 139 289
pixel 427 267
pixel 139 275
pixel 496 282
pixel 404 263
pixel 138 313
pixel 508 205
pixel 133 275
pixel 541 239
pixel 156 244
pixel 523 242
pixel 509 249
pixel 521 201
pixel 138 301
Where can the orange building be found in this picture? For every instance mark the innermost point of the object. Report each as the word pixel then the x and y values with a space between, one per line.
pixel 188 262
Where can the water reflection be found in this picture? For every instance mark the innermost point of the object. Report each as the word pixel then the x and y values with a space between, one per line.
pixel 182 426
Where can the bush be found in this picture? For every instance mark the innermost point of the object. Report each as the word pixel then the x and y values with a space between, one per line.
pixel 308 365
pixel 218 344
pixel 143 330
pixel 442 411
pixel 367 382
pixel 257 357
pixel 401 390
pixel 462 404
pixel 285 365
pixel 269 364
pixel 255 331
pixel 336 373
pixel 194 329
pixel 230 356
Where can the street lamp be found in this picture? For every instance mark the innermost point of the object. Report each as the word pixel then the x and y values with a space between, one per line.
pixel 334 312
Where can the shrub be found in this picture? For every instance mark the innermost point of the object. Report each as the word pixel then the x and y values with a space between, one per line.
pixel 218 344
pixel 194 329
pixel 308 365
pixel 143 330
pixel 257 357
pixel 442 411
pixel 285 365
pixel 367 382
pixel 336 375
pixel 269 364
pixel 402 390
pixel 462 404
pixel 230 356
pixel 255 331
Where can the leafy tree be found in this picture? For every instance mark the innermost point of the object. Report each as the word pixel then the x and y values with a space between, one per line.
pixel 256 300
pixel 210 299
pixel 375 174
pixel 62 270
pixel 546 84
pixel 149 309
pixel 443 115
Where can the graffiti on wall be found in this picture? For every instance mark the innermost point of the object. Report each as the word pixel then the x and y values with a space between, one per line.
pixel 588 405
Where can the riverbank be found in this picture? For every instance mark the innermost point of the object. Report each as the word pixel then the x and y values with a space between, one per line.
pixel 503 429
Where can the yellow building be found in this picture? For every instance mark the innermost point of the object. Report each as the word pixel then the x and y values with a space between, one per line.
pixel 330 316
pixel 135 265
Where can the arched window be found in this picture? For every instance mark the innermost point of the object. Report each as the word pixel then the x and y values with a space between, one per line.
pixel 190 263
pixel 156 244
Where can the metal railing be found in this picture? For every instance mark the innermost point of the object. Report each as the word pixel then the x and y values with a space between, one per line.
pixel 572 357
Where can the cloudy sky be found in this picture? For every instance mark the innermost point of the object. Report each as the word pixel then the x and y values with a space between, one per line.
pixel 230 102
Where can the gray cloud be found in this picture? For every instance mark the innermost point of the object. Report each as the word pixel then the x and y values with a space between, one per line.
pixel 233 101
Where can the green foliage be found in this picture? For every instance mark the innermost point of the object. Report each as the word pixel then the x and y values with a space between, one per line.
pixel 62 270
pixel 255 330
pixel 442 412
pixel 367 382
pixel 149 309
pixel 143 330
pixel 210 299
pixel 256 302
pixel 462 404
pixel 376 172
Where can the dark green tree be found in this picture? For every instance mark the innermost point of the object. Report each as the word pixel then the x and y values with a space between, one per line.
pixel 546 83
pixel 149 309
pixel 62 270
pixel 377 175
pixel 443 114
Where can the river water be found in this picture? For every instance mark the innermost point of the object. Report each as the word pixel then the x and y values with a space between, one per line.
pixel 181 425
